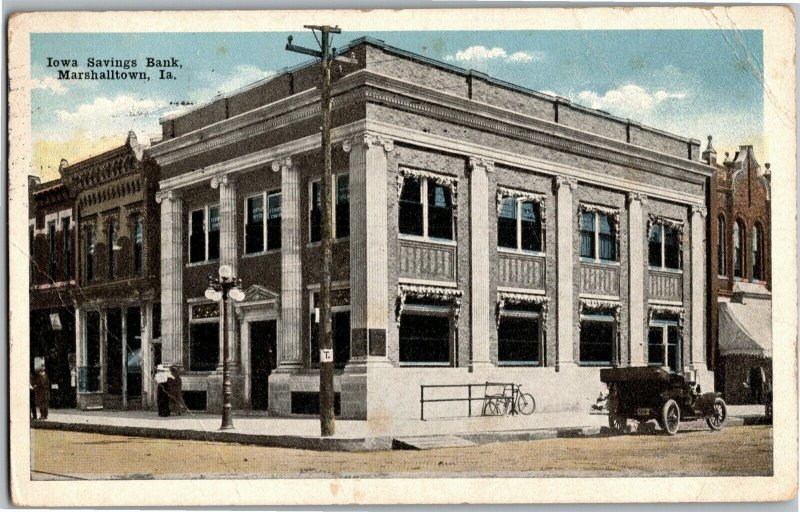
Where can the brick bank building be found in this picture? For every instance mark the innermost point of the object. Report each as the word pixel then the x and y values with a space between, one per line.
pixel 483 231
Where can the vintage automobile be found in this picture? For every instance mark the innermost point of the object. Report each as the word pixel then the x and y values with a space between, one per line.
pixel 646 393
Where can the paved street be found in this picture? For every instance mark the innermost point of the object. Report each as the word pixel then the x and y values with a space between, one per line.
pixel 739 450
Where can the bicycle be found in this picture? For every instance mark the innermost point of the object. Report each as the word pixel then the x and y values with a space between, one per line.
pixel 516 401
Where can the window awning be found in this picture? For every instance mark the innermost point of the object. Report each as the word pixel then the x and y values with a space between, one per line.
pixel 745 328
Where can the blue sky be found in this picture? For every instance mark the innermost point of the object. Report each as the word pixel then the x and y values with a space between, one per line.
pixel 690 82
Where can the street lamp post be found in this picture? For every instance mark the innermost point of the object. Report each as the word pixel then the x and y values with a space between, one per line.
pixel 226 286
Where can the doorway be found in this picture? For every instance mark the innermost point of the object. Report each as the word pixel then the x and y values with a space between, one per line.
pixel 114 343
pixel 263 360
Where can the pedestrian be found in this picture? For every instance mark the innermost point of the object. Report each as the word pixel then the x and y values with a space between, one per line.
pixel 175 389
pixel 42 391
pixel 162 394
pixel 757 379
pixel 32 392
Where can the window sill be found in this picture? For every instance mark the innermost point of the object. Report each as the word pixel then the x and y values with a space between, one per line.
pixel 589 364
pixel 666 270
pixel 609 263
pixel 260 253
pixel 424 365
pixel 520 252
pixel 428 240
pixel 517 364
pixel 201 263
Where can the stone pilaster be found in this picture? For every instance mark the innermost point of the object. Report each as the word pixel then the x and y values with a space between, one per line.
pixel 698 257
pixel 369 315
pixel 480 270
pixel 80 349
pixel 289 347
pixel 171 277
pixel 636 278
pixel 228 256
pixel 565 227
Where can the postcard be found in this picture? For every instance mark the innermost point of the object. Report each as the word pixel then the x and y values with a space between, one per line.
pixel 403 256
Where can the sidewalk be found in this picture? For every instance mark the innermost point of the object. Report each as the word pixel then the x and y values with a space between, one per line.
pixel 350 435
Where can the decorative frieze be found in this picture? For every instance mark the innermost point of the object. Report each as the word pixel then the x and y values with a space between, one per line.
pixel 514 298
pixel 439 179
pixel 676 311
pixel 434 293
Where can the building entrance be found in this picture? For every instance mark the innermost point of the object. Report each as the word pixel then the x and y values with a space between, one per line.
pixel 263 360
pixel 113 360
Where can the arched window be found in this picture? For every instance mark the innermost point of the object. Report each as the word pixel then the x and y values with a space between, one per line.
pixel 721 252
pixel 757 254
pixel 738 254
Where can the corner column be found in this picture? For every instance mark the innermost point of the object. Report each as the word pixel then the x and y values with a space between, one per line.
pixel 80 352
pixel 480 307
pixel 171 276
pixel 636 279
pixel 289 353
pixel 565 227
pixel 368 246
pixel 228 256
pixel 698 217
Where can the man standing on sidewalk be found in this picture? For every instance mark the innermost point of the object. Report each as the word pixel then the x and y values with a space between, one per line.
pixel 42 391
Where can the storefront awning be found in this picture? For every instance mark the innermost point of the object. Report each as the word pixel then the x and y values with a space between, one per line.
pixel 745 328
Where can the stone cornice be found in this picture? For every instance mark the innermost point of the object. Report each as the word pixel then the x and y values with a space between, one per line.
pixel 411 97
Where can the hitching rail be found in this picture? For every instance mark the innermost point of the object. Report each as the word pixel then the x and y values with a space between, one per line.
pixel 469 399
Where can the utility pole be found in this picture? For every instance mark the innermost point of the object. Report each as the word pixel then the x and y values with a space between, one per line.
pixel 326 393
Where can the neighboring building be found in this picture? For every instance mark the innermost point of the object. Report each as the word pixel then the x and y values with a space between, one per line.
pixel 483 232
pixel 117 274
pixel 741 313
pixel 52 287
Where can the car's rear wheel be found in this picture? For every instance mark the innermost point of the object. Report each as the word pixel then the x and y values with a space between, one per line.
pixel 717 419
pixel 670 417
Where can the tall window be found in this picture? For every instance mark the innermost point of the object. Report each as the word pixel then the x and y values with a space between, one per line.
pixel 256 230
pixel 518 336
pixel 738 255
pixel 51 241
pixel 721 244
pixel 426 209
pixel 598 237
pixel 756 255
pixel 111 244
pixel 341 208
pixel 598 332
pixel 89 253
pixel 204 234
pixel 138 245
pixel 425 334
pixel 204 337
pixel 67 247
pixel 519 225
pixel 663 344
pixel 664 246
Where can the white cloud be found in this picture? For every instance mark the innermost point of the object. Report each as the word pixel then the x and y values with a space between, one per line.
pixel 482 54
pixel 223 83
pixel 106 116
pixel 628 100
pixel 48 83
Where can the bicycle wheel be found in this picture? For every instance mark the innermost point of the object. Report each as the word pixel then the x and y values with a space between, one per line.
pixel 526 404
pixel 490 408
pixel 503 404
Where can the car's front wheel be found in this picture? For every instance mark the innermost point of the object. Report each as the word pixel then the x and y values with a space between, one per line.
pixel 717 419
pixel 617 423
pixel 670 417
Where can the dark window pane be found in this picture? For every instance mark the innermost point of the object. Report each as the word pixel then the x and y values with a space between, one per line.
pixel 672 252
pixel 440 211
pixel 197 237
pixel 410 213
pixel 424 339
pixel 254 225
pixel 204 347
pixel 340 329
pixel 673 346
pixel 342 206
pixel 587 235
pixel 738 264
pixel 274 221
pixel 316 213
pixel 213 232
pixel 608 238
pixel 157 320
pixel 111 248
pixel 138 246
pixel 90 253
pixel 67 247
pixel 531 221
pixel 518 340
pixel 655 346
pixel 596 343
pixel 755 256
pixel 721 238
pixel 507 223
pixel 51 240
pixel 654 245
